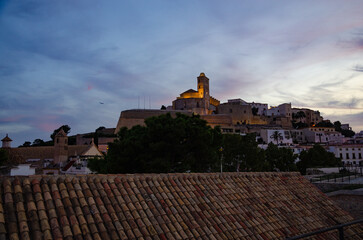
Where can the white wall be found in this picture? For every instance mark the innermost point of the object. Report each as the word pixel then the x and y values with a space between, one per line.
pixel 285 134
pixel 22 170
pixel 350 154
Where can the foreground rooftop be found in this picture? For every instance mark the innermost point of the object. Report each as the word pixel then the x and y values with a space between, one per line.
pixel 167 206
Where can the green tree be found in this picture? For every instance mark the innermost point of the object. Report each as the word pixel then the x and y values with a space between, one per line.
pixel 299 125
pixel 338 126
pixel 344 132
pixel 299 115
pixel 165 144
pixel 26 144
pixel 97 134
pixel 317 156
pixel 241 153
pixel 3 156
pixel 38 142
pixel 279 159
pixel 97 163
pixel 276 136
pixel 324 124
pixel 347 133
pixel 65 128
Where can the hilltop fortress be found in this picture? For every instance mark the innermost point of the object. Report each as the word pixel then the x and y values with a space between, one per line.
pixel 234 116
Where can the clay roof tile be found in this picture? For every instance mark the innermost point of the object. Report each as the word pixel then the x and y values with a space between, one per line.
pixel 172 206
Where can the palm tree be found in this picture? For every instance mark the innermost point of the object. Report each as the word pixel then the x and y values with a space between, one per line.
pixel 276 136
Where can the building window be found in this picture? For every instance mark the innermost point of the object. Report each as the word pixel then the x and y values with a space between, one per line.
pixel 353 156
pixel 341 155
pixel 360 156
pixel 347 155
pixel 230 110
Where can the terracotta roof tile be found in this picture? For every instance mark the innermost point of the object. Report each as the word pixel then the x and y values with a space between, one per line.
pixel 166 206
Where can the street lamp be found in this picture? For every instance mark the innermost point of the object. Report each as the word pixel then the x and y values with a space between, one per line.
pixel 221 150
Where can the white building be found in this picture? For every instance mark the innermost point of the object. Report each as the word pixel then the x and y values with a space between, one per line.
pixel 261 107
pixel 281 110
pixel 283 136
pixel 322 135
pixel 297 136
pixel 351 155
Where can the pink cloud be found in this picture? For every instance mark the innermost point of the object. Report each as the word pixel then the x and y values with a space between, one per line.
pixel 90 87
pixel 12 118
pixel 47 123
pixel 47 126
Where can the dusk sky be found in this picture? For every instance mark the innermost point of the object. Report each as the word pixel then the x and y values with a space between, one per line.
pixel 59 60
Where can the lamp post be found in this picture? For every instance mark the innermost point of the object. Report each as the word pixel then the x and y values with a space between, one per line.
pixel 221 150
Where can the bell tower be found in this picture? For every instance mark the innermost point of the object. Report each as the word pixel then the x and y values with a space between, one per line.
pixel 203 91
pixel 60 147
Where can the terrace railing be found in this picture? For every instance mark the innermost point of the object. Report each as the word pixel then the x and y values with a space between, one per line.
pixel 340 229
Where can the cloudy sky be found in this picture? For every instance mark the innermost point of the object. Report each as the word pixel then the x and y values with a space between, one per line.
pixel 60 59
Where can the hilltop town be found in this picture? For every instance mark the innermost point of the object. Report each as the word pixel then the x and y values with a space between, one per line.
pixel 294 128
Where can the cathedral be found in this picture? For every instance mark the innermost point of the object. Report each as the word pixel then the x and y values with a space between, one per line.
pixel 199 102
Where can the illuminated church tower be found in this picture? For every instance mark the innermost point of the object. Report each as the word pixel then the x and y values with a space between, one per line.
pixel 203 90
pixel 199 102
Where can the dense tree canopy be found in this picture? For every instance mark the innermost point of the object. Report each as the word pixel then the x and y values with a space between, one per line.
pixel 241 153
pixel 65 128
pixel 324 124
pixel 26 144
pixel 165 144
pixel 344 132
pixel 279 159
pixel 188 144
pixel 3 157
pixel 317 157
pixel 38 142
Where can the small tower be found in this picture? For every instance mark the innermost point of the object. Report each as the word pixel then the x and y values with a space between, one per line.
pixel 60 147
pixel 6 142
pixel 203 90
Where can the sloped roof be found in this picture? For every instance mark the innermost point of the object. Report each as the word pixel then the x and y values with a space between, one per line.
pixel 6 139
pixel 61 133
pixel 190 91
pixel 167 206
pixel 21 154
